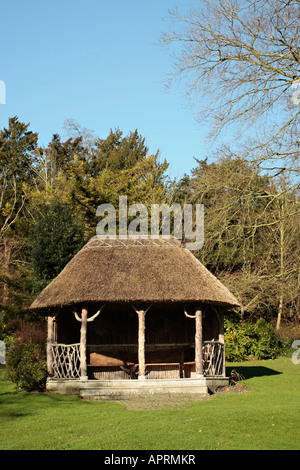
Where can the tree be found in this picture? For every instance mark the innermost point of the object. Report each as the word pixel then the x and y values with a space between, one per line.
pixel 74 130
pixel 284 224
pixel 55 159
pixel 17 160
pixel 115 166
pixel 17 145
pixel 231 190
pixel 57 236
pixel 117 153
pixel 242 59
pixel 251 234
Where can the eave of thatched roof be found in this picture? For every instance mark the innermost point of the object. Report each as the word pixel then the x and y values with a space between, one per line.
pixel 133 271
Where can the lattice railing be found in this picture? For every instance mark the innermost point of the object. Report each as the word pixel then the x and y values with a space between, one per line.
pixel 213 358
pixel 65 361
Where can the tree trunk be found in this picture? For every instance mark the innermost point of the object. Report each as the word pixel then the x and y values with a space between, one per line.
pixel 50 340
pixel 282 261
pixel 141 344
pixel 279 315
pixel 222 338
pixel 83 334
pixel 198 344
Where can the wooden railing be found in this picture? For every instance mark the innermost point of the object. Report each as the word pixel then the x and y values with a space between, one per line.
pixel 66 364
pixel 65 361
pixel 213 359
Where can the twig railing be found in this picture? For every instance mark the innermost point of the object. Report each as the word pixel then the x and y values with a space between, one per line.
pixel 65 361
pixel 213 359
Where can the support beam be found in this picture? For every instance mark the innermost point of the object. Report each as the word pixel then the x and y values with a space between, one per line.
pixel 141 341
pixel 141 344
pixel 50 339
pixel 83 334
pixel 198 344
pixel 222 338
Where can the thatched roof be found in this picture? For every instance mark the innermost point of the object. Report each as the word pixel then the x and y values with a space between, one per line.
pixel 145 270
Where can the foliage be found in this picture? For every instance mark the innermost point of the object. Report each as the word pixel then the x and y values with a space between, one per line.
pixel 246 340
pixel 245 55
pixel 17 145
pixel 57 236
pixel 251 233
pixel 49 197
pixel 26 367
pixel 116 166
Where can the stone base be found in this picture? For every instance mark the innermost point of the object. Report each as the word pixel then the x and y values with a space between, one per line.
pixel 64 386
pixel 118 389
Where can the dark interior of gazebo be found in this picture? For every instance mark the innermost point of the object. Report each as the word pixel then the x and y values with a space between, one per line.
pixel 112 340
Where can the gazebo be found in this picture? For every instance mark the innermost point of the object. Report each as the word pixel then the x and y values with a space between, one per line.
pixel 135 316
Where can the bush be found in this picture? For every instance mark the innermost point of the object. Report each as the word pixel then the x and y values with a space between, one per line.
pixel 245 340
pixel 26 366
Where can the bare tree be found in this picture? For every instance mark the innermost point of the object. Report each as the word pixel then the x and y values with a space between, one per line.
pixel 74 130
pixel 242 59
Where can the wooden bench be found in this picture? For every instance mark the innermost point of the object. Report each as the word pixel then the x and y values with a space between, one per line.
pixel 130 371
pixel 163 370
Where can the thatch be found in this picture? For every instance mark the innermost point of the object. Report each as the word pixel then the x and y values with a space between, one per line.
pixel 133 271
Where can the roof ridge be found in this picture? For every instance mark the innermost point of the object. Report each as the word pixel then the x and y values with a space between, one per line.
pixel 96 241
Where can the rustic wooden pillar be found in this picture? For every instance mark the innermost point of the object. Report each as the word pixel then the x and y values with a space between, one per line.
pixel 222 338
pixel 141 341
pixel 83 334
pixel 141 344
pixel 198 344
pixel 50 340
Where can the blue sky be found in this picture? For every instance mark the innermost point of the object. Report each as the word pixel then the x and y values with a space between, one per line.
pixel 98 62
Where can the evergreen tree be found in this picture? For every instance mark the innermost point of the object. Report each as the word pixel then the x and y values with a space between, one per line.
pixel 115 166
pixel 56 238
pixel 17 145
pixel 17 167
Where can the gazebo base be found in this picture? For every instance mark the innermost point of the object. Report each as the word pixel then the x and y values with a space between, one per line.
pixel 118 389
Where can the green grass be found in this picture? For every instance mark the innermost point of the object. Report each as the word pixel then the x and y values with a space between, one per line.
pixel 267 416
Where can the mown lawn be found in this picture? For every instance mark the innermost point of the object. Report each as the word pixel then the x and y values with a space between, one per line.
pixel 267 416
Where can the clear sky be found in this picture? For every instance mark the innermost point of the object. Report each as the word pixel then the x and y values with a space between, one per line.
pixel 98 62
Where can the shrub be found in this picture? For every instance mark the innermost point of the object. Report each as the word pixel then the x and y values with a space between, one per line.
pixel 26 366
pixel 245 340
pixel 267 344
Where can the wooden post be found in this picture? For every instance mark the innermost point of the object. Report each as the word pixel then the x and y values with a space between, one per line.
pixel 141 344
pixel 198 344
pixel 50 340
pixel 83 333
pixel 222 339
pixel 141 341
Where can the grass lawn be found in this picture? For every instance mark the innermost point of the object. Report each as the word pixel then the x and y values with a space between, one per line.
pixel 266 416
